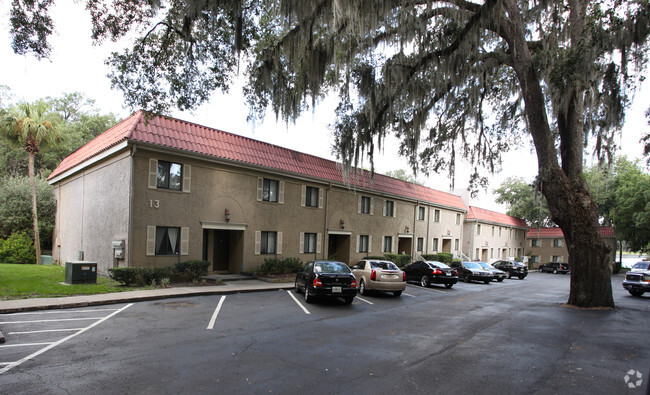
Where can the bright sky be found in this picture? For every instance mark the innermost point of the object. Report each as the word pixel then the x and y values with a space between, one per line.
pixel 77 66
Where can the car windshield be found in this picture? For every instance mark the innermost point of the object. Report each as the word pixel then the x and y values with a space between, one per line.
pixel 439 265
pixel 641 265
pixel 383 265
pixel 331 267
pixel 485 265
pixel 472 265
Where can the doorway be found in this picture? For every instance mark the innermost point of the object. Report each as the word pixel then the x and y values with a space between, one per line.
pixel 224 249
pixel 338 247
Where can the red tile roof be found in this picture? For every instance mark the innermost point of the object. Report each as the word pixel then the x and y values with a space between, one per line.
pixel 605 231
pixel 484 215
pixel 186 136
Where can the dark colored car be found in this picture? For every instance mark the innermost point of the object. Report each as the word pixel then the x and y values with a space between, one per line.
pixel 499 275
pixel 472 271
pixel 512 268
pixel 554 267
pixel 431 272
pixel 637 280
pixel 327 279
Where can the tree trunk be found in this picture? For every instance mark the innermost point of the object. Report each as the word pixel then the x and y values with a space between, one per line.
pixel 37 241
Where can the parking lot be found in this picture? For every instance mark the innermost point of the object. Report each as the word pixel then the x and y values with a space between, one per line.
pixel 508 337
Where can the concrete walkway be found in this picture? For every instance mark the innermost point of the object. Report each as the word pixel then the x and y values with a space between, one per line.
pixel 232 286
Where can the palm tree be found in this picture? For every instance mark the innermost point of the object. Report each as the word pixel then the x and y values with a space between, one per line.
pixel 25 125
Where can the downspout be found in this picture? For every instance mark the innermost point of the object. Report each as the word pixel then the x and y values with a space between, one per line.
pixel 325 238
pixel 130 224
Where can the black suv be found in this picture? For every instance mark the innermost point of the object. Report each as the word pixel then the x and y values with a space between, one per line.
pixel 554 267
pixel 512 268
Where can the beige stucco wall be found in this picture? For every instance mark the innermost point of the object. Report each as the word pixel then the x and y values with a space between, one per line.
pixel 545 251
pixel 92 211
pixel 494 241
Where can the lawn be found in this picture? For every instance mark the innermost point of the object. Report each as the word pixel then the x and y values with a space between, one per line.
pixel 48 281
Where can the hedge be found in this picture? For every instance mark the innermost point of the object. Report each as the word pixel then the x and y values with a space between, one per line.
pixel 139 276
pixel 443 257
pixel 279 266
pixel 17 248
pixel 194 270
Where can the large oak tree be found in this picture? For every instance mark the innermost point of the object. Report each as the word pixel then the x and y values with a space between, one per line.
pixel 449 78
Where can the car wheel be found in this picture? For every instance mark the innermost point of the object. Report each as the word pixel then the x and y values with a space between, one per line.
pixel 554 271
pixel 449 285
pixel 397 293
pixel 500 279
pixel 466 278
pixel 349 299
pixel 308 297
pixel 424 281
pixel 486 281
pixel 509 275
pixel 521 277
pixel 635 292
pixel 541 270
pixel 362 288
pixel 297 287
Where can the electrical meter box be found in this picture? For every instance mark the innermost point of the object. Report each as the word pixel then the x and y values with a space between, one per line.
pixel 118 249
pixel 81 272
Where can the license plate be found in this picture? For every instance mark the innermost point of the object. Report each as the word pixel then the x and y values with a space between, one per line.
pixel 447 274
pixel 336 289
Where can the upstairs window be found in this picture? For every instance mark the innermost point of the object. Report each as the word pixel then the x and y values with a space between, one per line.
pixel 389 210
pixel 436 216
pixel 365 205
pixel 311 197
pixel 421 213
pixel 457 219
pixel 557 243
pixel 270 190
pixel 169 175
pixel 535 243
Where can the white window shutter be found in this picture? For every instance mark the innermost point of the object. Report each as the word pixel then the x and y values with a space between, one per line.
pixel 281 193
pixel 369 244
pixel 358 239
pixel 359 211
pixel 320 197
pixel 260 189
pixel 185 241
pixel 151 240
pixel 393 248
pixel 303 195
pixel 385 208
pixel 278 240
pixel 258 242
pixel 319 239
pixel 383 243
pixel 302 243
pixel 187 178
pixel 153 173
pixel 394 210
pixel 372 205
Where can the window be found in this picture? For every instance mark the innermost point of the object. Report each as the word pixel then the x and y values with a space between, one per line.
pixel 311 197
pixel 535 243
pixel 434 244
pixel 499 232
pixel 556 258
pixel 389 210
pixel 478 229
pixel 493 231
pixel 268 242
pixel 421 214
pixel 534 259
pixel 270 190
pixel 557 243
pixel 169 175
pixel 420 245
pixel 167 240
pixel 388 244
pixel 364 243
pixel 436 216
pixel 457 219
pixel 310 243
pixel 365 205
pixel 456 244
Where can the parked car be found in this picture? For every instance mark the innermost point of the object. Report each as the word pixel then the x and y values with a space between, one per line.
pixel 327 279
pixel 512 268
pixel 637 280
pixel 554 267
pixel 472 271
pixel 499 275
pixel 431 272
pixel 376 275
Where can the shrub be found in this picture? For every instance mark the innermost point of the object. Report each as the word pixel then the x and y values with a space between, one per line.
pixel 279 266
pixel 443 257
pixel 139 276
pixel 401 260
pixel 194 270
pixel 17 248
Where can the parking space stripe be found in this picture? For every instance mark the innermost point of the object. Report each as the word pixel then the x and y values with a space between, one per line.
pixel 216 313
pixel 25 345
pixel 45 331
pixel 59 312
pixel 60 320
pixel 363 300
pixel 298 303
pixel 52 345
pixel 404 293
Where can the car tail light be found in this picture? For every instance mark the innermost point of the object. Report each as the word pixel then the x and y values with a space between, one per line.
pixel 437 271
pixel 353 284
pixel 403 276
pixel 373 275
pixel 455 272
pixel 318 282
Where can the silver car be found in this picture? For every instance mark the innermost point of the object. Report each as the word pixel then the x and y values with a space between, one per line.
pixel 377 275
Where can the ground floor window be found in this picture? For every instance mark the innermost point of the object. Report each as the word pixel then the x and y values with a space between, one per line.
pixel 167 240
pixel 364 243
pixel 310 243
pixel 388 244
pixel 420 244
pixel 268 243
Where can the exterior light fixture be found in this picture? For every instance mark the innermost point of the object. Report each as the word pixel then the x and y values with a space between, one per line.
pixel 226 214
pixel 342 223
pixel 406 229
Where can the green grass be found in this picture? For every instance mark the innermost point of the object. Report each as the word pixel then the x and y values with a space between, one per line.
pixel 45 281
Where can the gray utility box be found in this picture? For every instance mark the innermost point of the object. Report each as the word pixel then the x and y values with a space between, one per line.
pixel 81 272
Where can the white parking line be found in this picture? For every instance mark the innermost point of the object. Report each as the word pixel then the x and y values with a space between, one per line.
pixel 45 331
pixel 216 313
pixel 430 289
pixel 59 312
pixel 298 303
pixel 52 345
pixel 59 320
pixel 404 293
pixel 363 300
pixel 25 345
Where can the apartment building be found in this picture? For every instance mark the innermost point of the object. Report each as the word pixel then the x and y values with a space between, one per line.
pixel 548 245
pixel 491 236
